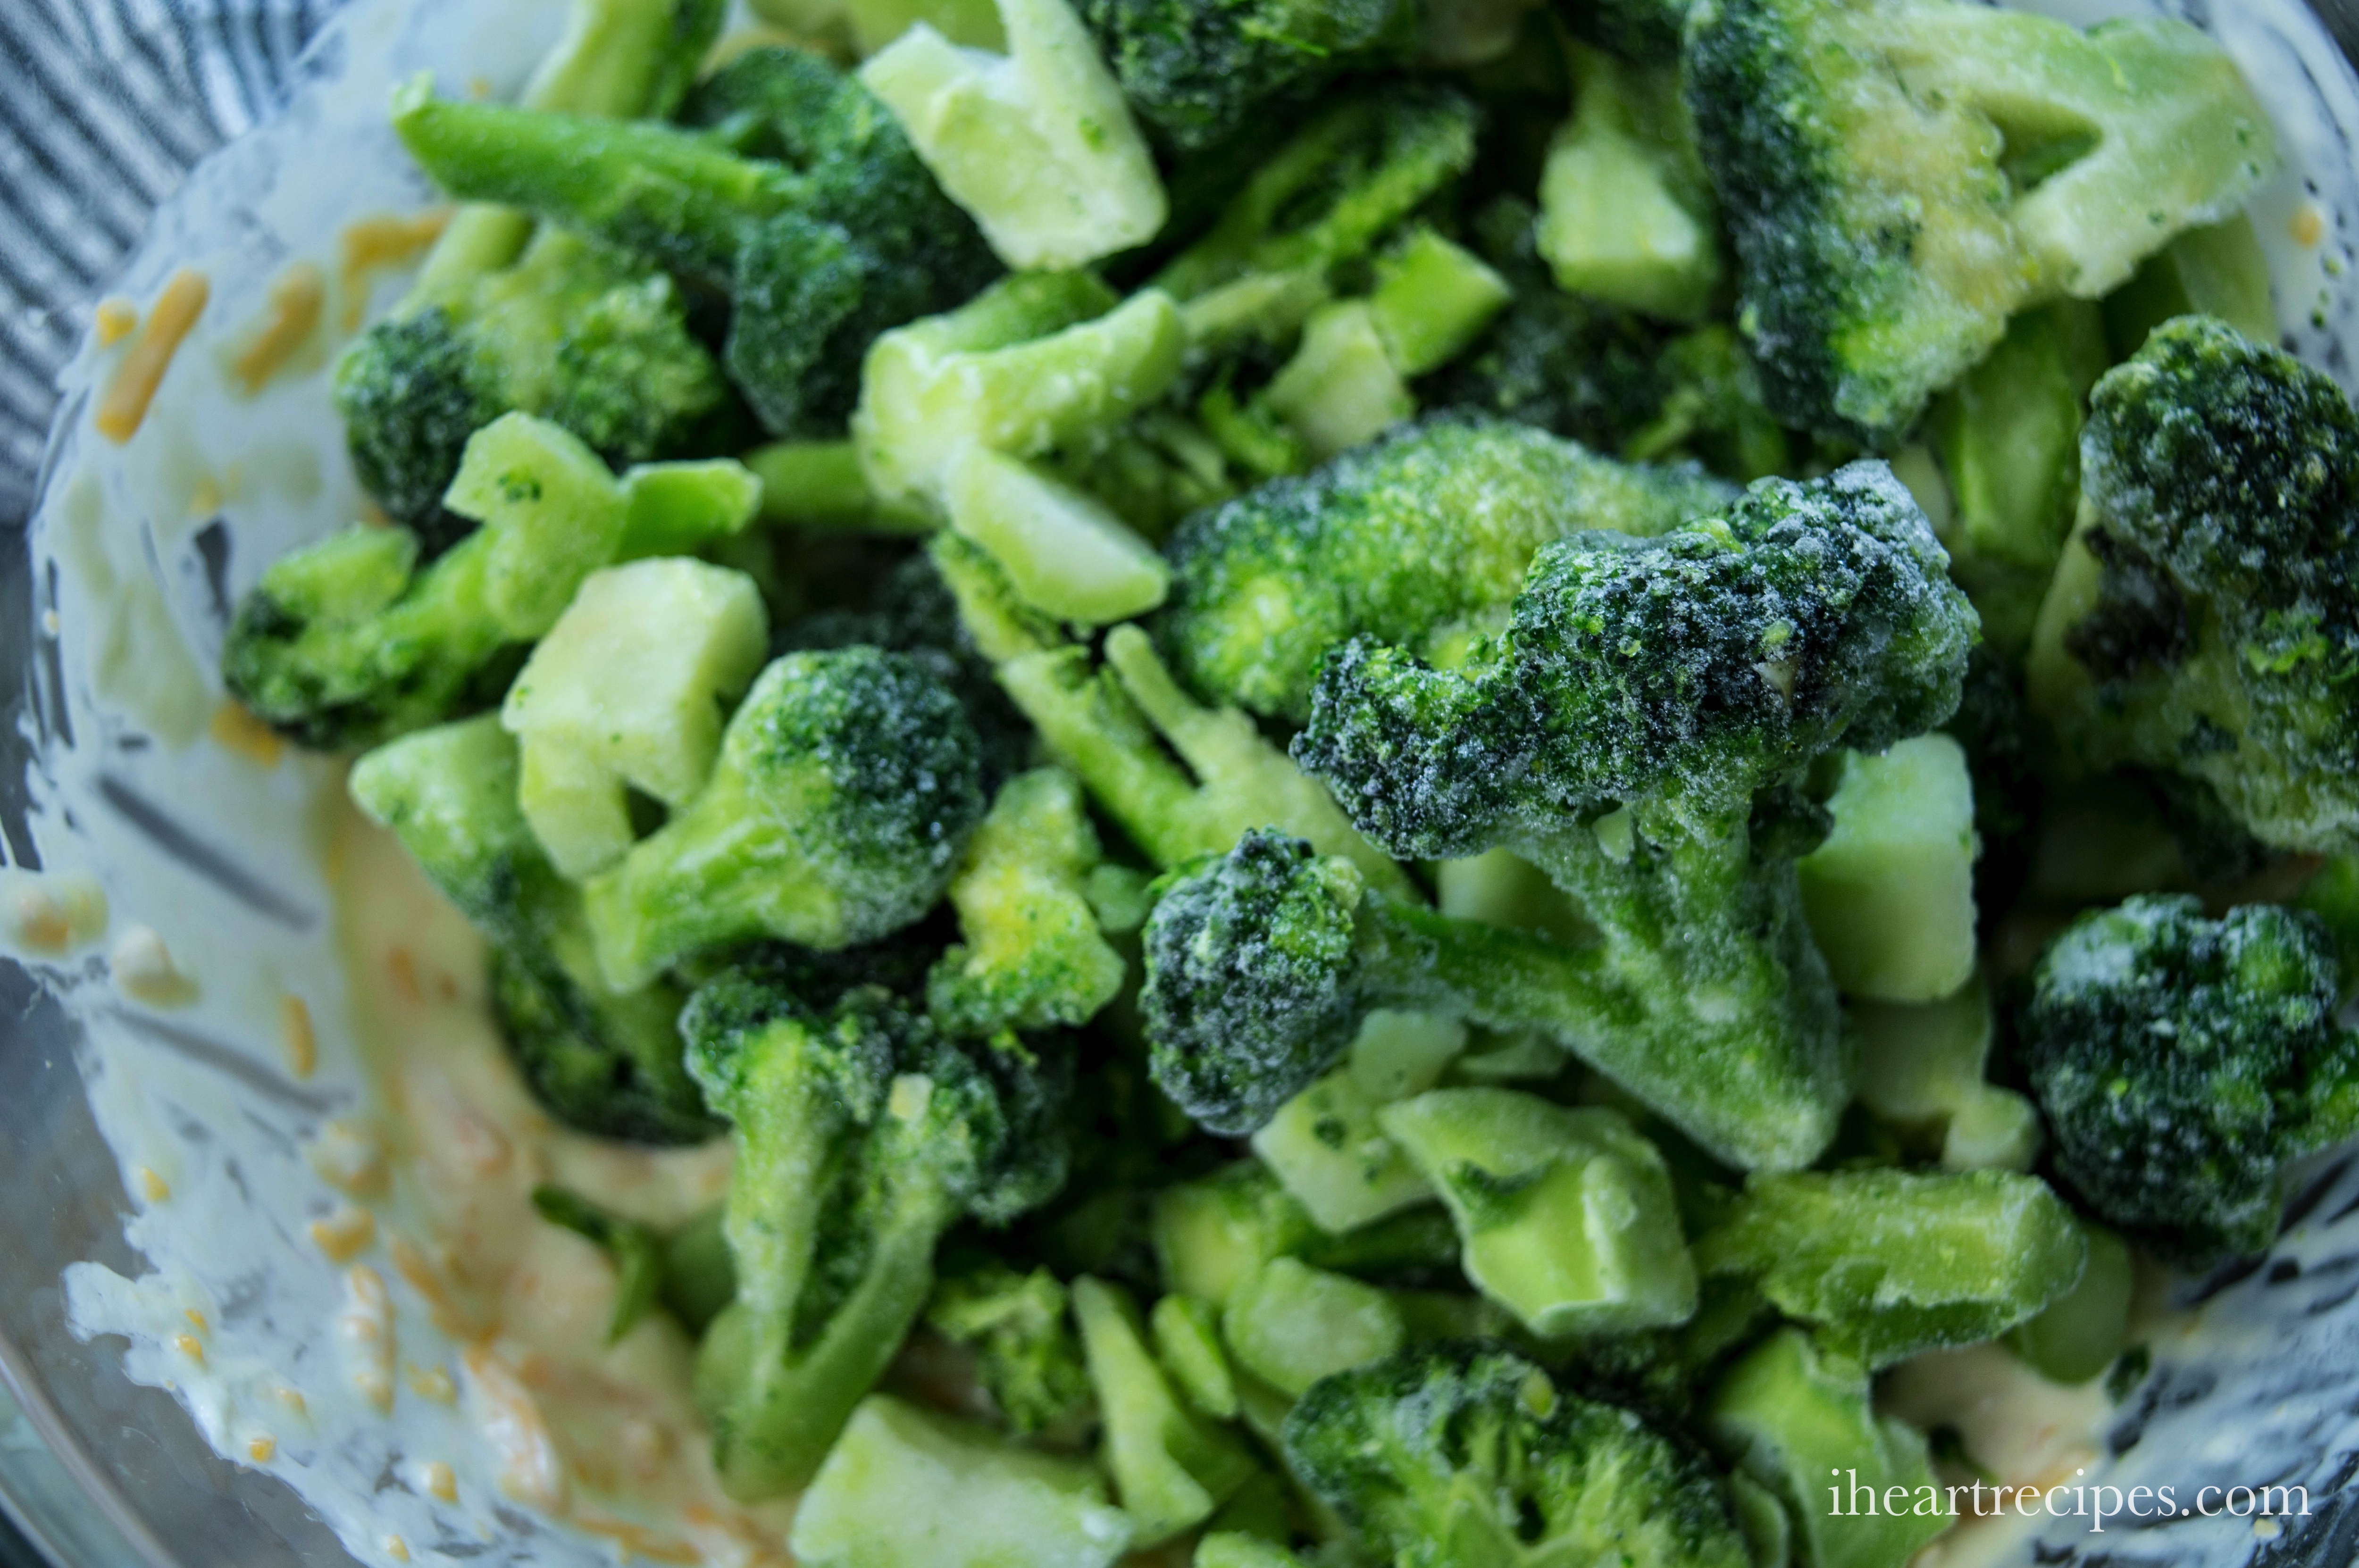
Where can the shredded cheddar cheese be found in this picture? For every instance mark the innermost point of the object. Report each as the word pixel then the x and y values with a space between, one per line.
pixel 123 407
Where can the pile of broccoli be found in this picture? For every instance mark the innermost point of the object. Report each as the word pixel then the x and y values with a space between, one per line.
pixel 1358 751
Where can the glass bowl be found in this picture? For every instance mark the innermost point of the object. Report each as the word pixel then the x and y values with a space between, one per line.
pixel 152 1160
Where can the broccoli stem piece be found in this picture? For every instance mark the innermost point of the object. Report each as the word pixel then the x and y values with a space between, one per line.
pixel 846 785
pixel 1326 1146
pixel 1887 1264
pixel 1187 1333
pixel 1565 1214
pixel 2218 269
pixel 1290 1324
pixel 1890 892
pixel 680 508
pixel 1171 1467
pixel 820 484
pixel 2079 1334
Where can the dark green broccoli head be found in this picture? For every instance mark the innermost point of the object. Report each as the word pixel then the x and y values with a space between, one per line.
pixel 606 1064
pixel 1250 990
pixel 1422 538
pixel 2181 1062
pixel 411 390
pixel 1027 1354
pixel 2221 639
pixel 1459 1453
pixel 1646 31
pixel 1197 70
pixel 1682 673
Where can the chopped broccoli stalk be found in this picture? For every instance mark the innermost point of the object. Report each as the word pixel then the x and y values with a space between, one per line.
pixel 625 693
pixel 1890 893
pixel 863 1134
pixel 1197 70
pixel 829 234
pixel 1234 1548
pixel 1025 1353
pixel 2204 621
pixel 1565 1214
pixel 1886 1263
pixel 1290 1324
pixel 1996 1130
pixel 1103 724
pixel 1211 1235
pixel 1187 1346
pixel 1171 1467
pixel 605 1062
pixel 1422 540
pixel 1795 1417
pixel 1921 1063
pixel 2218 270
pixel 820 484
pixel 634 1250
pixel 1501 887
pixel 1397 1054
pixel 1340 388
pixel 1036 144
pixel 845 789
pixel 1626 215
pixel 2008 435
pixel 1326 197
pixel 679 508
pixel 2183 1062
pixel 1033 957
pixel 2077 1335
pixel 349 642
pixel 1432 298
pixel 1467 1452
pixel 1325 1146
pixel 1902 175
pixel 1066 552
pixel 907 1488
pixel 573 332
pixel 698 1276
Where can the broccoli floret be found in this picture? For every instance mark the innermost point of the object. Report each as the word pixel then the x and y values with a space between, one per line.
pixel 1025 1353
pixel 1033 956
pixel 863 1133
pixel 604 1061
pixel 2182 1062
pixel 1261 966
pixel 573 332
pixel 820 254
pixel 347 643
pixel 2205 620
pixel 1469 1452
pixel 1197 70
pixel 907 1488
pixel 1646 31
pixel 1886 1263
pixel 1421 539
pixel 1103 724
pixel 1901 175
pixel 1038 143
pixel 847 784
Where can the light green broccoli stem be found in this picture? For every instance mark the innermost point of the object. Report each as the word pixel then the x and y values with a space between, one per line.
pixel 1187 1346
pixel 700 1274
pixel 2218 269
pixel 1171 1467
pixel 1887 1264
pixel 902 1483
pixel 680 508
pixel 1212 1234
pixel 1038 146
pixel 2078 1335
pixel 1890 893
pixel 1290 1324
pixel 1032 956
pixel 1921 1071
pixel 1796 1418
pixel 1566 1216
pixel 1627 212
pixel 820 485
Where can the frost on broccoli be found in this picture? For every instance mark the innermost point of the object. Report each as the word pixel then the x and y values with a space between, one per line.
pixel 1197 71
pixel 1469 1452
pixel 863 1133
pixel 2183 1062
pixel 1422 540
pixel 1018 1327
pixel 2205 621
pixel 1900 177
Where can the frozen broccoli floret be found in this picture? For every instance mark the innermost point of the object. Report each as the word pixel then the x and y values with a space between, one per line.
pixel 1109 725
pixel 1262 965
pixel 863 1133
pixel 1422 540
pixel 1033 956
pixel 1171 1465
pixel 604 1061
pixel 1900 177
pixel 847 784
pixel 573 332
pixel 2183 1062
pixel 1886 1263
pixel 1565 1214
pixel 1025 1353
pixel 1471 1450
pixel 907 1488
pixel 349 641
pixel 1037 144
pixel 1199 70
pixel 829 233
pixel 2205 620
pixel 626 693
